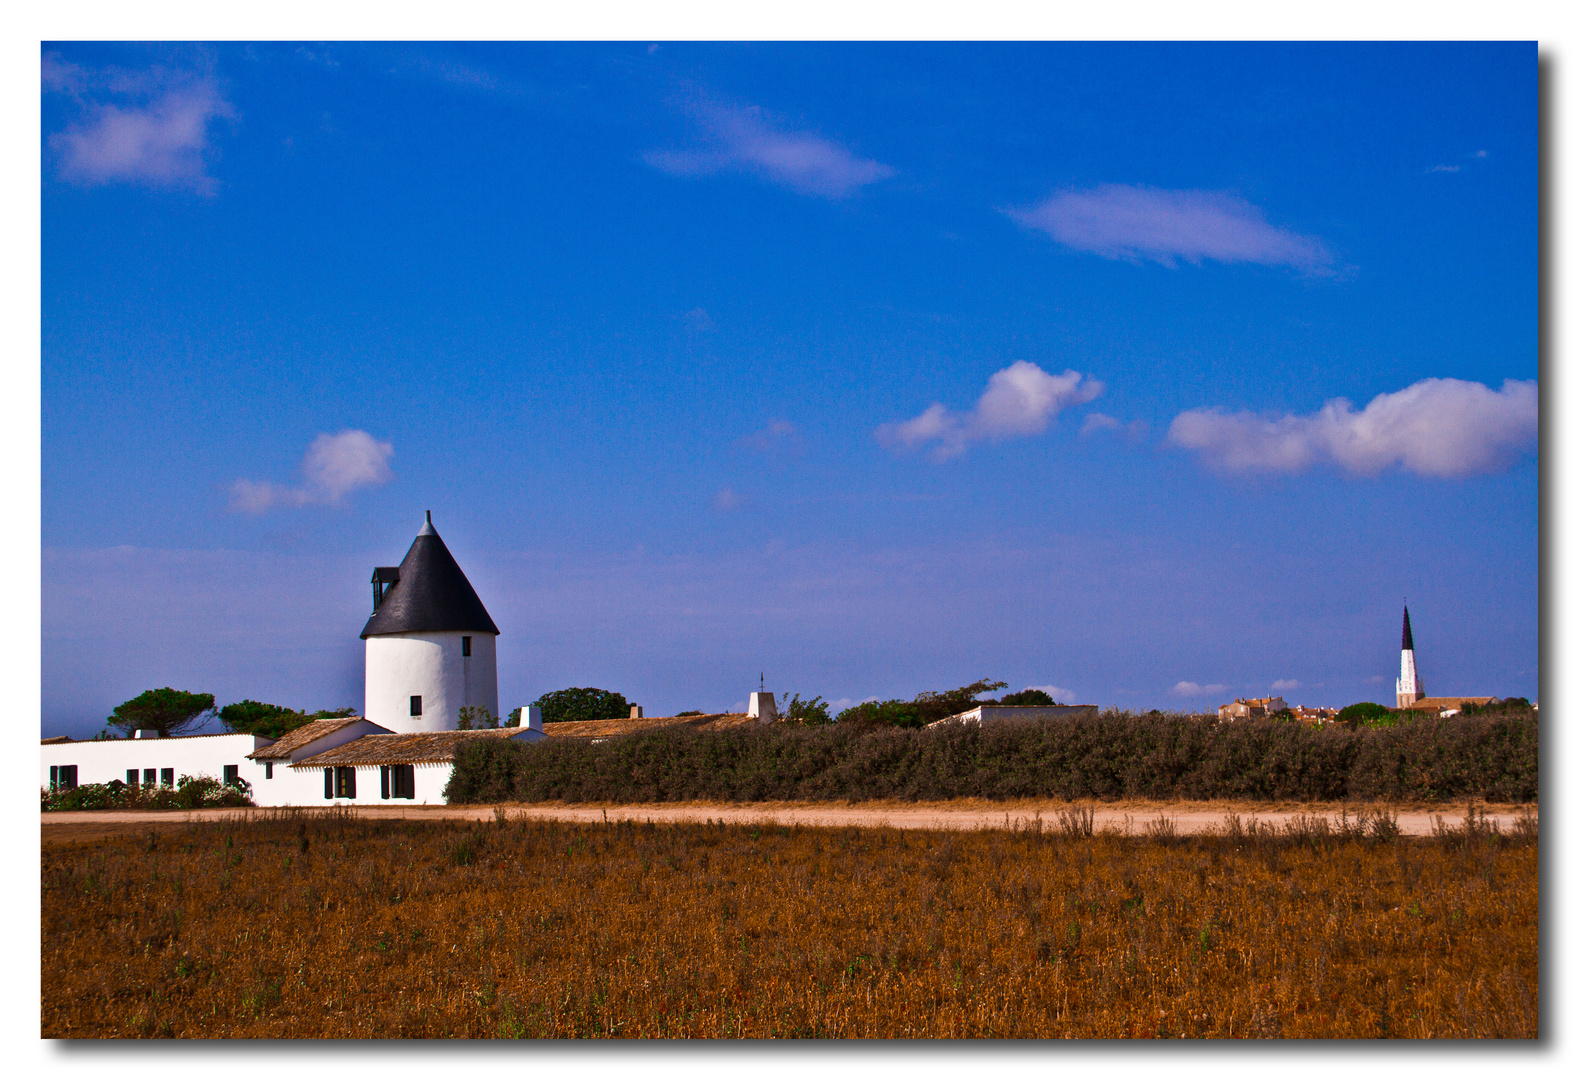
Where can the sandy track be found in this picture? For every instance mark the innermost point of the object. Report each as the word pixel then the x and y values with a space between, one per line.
pixel 1187 818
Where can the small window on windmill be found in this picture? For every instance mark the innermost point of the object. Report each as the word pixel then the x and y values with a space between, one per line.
pixel 466 645
pixel 416 704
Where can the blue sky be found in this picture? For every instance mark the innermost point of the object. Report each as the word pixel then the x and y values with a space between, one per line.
pixel 1154 374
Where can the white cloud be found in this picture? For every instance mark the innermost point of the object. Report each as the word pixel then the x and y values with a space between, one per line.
pixel 1377 680
pixel 1121 221
pixel 1436 427
pixel 1190 689
pixel 726 498
pixel 1020 400
pixel 748 140
pixel 1057 693
pixel 1286 684
pixel 1444 168
pixel 334 466
pixel 154 129
pixel 778 437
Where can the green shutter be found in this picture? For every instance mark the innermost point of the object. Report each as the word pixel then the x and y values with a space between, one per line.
pixel 328 783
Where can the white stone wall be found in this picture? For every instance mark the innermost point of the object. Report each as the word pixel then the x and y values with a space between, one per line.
pixel 189 755
pixel 400 666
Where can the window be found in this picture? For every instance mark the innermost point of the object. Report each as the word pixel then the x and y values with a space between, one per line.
pixel 167 778
pixel 466 645
pixel 345 781
pixel 131 777
pixel 150 777
pixel 416 704
pixel 232 774
pixel 62 777
pixel 397 781
pixel 268 770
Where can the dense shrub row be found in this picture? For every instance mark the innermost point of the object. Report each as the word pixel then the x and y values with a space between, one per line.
pixel 189 793
pixel 1113 755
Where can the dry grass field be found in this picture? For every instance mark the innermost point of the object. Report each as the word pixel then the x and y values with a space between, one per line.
pixel 297 927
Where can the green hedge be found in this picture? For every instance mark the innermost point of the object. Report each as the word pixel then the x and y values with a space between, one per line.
pixel 1113 755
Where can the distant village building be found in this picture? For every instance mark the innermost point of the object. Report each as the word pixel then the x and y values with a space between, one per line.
pixel 1249 708
pixel 1315 717
pixel 1410 688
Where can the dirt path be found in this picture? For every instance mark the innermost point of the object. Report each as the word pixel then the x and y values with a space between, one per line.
pixel 1187 818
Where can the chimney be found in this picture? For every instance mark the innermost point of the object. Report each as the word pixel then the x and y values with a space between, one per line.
pixel 146 733
pixel 636 712
pixel 532 717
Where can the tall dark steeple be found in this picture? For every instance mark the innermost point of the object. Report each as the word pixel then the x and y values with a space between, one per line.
pixel 427 593
pixel 1409 638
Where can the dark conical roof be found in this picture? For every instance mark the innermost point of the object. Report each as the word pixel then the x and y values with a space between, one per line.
pixel 431 595
pixel 1409 638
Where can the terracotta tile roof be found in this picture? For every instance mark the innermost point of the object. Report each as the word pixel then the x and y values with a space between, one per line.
pixel 57 739
pixel 402 749
pixel 1449 702
pixel 602 729
pixel 292 741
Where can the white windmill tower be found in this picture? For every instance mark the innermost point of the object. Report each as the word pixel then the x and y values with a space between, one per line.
pixel 430 642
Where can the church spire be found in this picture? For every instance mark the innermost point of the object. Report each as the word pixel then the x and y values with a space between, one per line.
pixel 1410 688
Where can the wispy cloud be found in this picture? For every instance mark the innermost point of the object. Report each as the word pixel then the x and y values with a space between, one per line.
pixel 1436 427
pixel 747 139
pixel 1120 221
pixel 1100 423
pixel 778 438
pixel 1286 684
pixel 1020 400
pixel 1186 688
pixel 148 127
pixel 335 466
pixel 1444 168
pixel 726 499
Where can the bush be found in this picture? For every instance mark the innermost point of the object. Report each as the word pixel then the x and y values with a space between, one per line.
pixel 1110 756
pixel 797 711
pixel 1364 712
pixel 923 709
pixel 189 793
pixel 1028 698
pixel 582 703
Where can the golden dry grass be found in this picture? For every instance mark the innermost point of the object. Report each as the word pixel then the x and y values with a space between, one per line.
pixel 332 927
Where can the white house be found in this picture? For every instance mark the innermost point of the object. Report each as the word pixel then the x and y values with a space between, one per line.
pixel 149 759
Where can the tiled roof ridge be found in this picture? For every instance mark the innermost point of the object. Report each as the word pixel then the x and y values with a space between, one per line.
pixel 297 737
pixel 400 748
